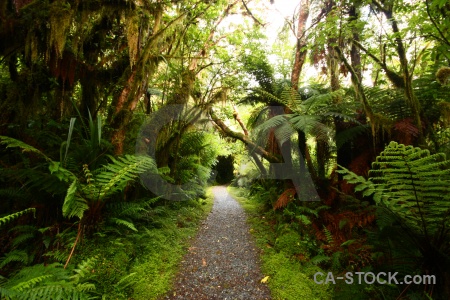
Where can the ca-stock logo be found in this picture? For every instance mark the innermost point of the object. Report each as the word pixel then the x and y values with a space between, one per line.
pixel 157 124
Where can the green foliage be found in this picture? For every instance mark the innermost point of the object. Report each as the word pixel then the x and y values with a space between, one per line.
pixel 412 183
pixel 290 243
pixel 289 280
pixel 411 188
pixel 111 179
pixel 142 265
pixel 13 143
pixel 49 282
pixel 7 219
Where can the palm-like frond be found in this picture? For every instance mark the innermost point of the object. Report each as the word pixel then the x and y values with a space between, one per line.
pixel 257 116
pixel 389 103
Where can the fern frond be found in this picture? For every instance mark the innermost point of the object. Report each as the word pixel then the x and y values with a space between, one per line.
pixel 286 197
pixel 13 143
pixel 83 269
pixel 15 256
pixel 126 281
pixel 367 187
pixel 411 183
pixel 12 193
pixel 44 282
pixel 269 96
pixel 128 209
pixel 74 205
pixel 311 211
pixel 318 259
pixel 122 170
pixel 24 285
pixel 57 255
pixel 22 238
pixel 257 116
pixel 303 219
pixel 328 235
pixel 349 134
pixel 122 222
pixel 11 217
pixel 307 123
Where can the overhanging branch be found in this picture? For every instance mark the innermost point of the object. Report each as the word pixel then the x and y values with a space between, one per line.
pixel 239 136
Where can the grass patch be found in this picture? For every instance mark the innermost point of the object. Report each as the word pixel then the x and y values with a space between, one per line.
pixel 143 264
pixel 289 278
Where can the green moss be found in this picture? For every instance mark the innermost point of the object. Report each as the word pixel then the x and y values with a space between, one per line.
pixel 290 280
pixel 290 243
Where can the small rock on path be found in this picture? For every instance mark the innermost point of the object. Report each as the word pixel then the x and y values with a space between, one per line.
pixel 222 262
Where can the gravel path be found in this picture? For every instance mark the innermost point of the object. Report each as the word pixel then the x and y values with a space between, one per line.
pixel 223 262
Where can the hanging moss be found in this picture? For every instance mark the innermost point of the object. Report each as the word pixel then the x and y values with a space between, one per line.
pixel 132 27
pixel 60 21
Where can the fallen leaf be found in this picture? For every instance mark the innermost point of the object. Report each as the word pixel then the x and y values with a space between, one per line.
pixel 264 280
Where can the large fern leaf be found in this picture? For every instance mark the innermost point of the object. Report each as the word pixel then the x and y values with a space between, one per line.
pixel 74 205
pixel 121 171
pixel 414 184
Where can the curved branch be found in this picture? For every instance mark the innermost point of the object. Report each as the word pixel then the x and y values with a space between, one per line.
pixel 239 136
pixel 251 15
pixel 396 79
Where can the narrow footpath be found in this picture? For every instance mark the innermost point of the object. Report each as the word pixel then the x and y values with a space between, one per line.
pixel 223 262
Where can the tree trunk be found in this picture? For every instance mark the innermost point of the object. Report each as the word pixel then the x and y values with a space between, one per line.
pixel 299 60
pixel 345 152
pixel 300 49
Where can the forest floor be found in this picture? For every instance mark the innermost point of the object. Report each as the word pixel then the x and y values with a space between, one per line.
pixel 223 261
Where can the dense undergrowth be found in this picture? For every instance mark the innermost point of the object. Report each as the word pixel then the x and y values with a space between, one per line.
pixel 142 264
pixel 115 262
pixel 377 229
